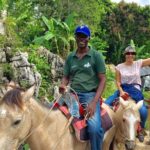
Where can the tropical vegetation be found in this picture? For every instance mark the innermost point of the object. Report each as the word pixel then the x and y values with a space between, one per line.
pixel 33 23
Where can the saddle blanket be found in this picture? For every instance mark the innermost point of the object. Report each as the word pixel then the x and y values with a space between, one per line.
pixel 82 124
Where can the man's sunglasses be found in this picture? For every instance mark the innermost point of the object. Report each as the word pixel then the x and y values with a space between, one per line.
pixel 130 53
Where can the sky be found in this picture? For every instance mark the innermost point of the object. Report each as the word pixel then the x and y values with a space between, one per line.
pixel 140 2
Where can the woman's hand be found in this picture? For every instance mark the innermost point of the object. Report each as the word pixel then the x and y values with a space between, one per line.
pixel 123 93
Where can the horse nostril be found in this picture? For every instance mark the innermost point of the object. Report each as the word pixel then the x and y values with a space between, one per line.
pixel 130 145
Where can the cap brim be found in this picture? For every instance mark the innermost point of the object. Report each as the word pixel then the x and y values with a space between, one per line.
pixel 82 33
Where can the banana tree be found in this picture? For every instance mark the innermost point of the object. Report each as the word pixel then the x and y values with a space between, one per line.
pixel 57 36
pixel 141 52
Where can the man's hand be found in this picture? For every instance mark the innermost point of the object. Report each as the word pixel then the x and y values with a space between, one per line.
pixel 62 89
pixel 91 108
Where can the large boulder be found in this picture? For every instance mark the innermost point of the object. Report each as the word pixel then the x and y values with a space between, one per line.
pixel 56 63
pixel 17 68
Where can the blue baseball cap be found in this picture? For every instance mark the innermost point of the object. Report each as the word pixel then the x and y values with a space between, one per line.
pixel 83 29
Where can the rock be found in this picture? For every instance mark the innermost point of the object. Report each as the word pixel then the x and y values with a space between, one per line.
pixel 22 72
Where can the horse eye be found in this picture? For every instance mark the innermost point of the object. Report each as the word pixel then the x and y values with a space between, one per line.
pixel 16 122
pixel 123 120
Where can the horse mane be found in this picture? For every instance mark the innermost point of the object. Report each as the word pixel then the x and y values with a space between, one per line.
pixel 13 97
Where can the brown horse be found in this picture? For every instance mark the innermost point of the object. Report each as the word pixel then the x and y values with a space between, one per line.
pixel 128 119
pixel 23 119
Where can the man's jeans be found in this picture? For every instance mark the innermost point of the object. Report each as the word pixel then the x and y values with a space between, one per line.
pixel 95 130
pixel 71 102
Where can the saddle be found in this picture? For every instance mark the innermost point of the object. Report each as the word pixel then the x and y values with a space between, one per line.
pixel 82 123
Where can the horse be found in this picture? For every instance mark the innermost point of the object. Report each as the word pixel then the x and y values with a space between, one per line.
pixel 25 120
pixel 128 118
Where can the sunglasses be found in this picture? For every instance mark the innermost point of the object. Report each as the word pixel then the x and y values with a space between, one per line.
pixel 130 53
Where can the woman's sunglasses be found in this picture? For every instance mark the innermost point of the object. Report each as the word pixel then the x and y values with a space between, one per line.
pixel 130 53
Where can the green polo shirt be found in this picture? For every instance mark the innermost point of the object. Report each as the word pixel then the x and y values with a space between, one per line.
pixel 83 73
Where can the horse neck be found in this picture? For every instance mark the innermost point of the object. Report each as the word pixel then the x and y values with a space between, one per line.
pixel 39 114
pixel 41 119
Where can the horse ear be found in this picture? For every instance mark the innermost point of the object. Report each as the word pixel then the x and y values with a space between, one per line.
pixel 123 102
pixel 139 105
pixel 29 93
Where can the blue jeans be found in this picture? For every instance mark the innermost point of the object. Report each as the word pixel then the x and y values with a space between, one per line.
pixel 95 130
pixel 72 104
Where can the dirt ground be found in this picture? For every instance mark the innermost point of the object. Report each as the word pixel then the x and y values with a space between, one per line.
pixel 145 145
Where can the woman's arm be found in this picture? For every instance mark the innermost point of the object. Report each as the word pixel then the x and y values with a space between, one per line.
pixel 145 62
pixel 118 83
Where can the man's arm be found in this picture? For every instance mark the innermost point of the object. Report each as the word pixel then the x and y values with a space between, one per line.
pixel 64 83
pixel 101 86
pixel 92 106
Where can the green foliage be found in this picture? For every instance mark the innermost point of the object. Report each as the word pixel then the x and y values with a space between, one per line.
pixel 99 44
pixel 123 23
pixel 110 83
pixel 57 37
pixel 52 23
pixel 42 67
pixel 140 50
pixel 3 4
pixel 28 25
pixel 3 41
pixel 26 147
pixel 12 39
pixel 8 71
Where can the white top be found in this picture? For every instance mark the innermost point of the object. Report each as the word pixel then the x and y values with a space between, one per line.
pixel 130 73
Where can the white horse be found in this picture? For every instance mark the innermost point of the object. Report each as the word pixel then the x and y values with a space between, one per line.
pixel 23 119
pixel 128 118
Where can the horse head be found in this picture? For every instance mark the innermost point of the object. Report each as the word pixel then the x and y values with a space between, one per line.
pixel 129 121
pixel 13 115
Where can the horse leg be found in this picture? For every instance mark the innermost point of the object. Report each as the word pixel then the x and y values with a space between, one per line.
pixel 108 138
